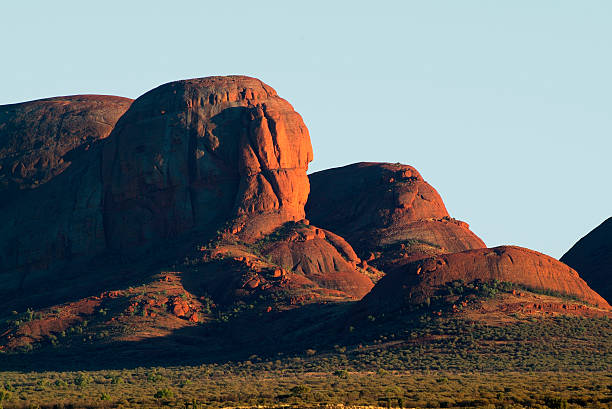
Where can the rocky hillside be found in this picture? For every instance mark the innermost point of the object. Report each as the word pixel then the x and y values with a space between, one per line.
pixel 187 215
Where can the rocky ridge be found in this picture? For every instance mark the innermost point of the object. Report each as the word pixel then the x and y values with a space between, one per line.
pixel 195 208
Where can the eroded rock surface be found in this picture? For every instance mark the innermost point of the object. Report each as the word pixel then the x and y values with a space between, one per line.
pixel 50 184
pixel 205 154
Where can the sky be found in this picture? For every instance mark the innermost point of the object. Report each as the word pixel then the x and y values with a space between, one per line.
pixel 504 107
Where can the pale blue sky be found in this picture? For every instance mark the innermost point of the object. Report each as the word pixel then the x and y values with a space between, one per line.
pixel 504 107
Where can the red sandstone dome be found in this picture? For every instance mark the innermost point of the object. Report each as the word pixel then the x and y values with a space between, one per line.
pixel 218 166
pixel 36 136
pixel 50 182
pixel 388 209
pixel 188 161
pixel 198 153
pixel 421 279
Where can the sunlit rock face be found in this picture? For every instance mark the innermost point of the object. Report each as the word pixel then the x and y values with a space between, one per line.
pixel 203 155
pixel 421 279
pixel 387 211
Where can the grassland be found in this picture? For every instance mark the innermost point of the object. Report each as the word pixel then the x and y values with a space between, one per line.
pixel 253 384
pixel 548 362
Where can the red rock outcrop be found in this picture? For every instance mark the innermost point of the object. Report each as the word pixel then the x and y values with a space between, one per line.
pixel 322 257
pixel 51 188
pixel 36 136
pixel 378 206
pixel 422 279
pixel 192 155
pixel 591 256
pixel 295 264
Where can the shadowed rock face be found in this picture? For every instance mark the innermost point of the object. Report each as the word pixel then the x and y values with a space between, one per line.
pixel 191 155
pixel 380 206
pixel 51 188
pixel 591 256
pixel 421 279
pixel 36 136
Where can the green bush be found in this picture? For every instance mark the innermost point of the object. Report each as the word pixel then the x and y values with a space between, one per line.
pixel 82 380
pixel 300 390
pixel 555 403
pixel 164 394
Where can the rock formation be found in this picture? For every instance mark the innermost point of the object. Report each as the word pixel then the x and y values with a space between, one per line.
pixel 295 264
pixel 423 278
pixel 197 190
pixel 188 161
pixel 591 256
pixel 197 154
pixel 323 257
pixel 386 209
pixel 51 190
pixel 36 136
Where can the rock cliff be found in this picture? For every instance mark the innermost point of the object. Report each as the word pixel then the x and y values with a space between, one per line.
pixel 205 154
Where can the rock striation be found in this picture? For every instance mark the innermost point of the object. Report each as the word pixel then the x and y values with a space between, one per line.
pixel 423 278
pixel 591 256
pixel 202 155
pixel 188 162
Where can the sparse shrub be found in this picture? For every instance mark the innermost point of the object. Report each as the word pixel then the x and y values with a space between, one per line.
pixel 4 395
pixel 341 373
pixel 300 391
pixel 82 380
pixel 164 394
pixel 154 377
pixel 555 403
pixel 116 380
